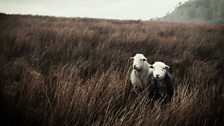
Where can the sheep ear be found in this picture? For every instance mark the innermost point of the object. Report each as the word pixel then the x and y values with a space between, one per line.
pixel 167 67
pixel 150 66
pixel 131 58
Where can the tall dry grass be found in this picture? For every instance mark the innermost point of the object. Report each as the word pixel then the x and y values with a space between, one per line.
pixel 61 71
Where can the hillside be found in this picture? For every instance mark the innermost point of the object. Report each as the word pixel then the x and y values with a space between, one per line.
pixel 74 71
pixel 199 11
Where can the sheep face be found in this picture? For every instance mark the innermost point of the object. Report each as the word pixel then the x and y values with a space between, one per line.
pixel 159 70
pixel 139 62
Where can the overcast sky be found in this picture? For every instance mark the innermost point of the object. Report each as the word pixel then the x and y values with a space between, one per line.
pixel 112 9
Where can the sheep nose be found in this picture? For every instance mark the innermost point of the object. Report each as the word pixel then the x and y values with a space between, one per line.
pixel 157 75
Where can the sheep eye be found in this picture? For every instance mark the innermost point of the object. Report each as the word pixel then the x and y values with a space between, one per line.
pixel 143 59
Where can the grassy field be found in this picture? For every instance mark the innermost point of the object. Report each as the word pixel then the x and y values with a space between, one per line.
pixel 75 71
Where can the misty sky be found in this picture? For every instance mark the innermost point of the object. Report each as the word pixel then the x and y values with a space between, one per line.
pixel 112 9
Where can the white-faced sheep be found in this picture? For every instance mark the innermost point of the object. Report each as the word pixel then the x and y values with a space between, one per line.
pixel 161 85
pixel 140 72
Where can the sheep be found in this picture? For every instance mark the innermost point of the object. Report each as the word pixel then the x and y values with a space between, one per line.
pixel 161 84
pixel 140 72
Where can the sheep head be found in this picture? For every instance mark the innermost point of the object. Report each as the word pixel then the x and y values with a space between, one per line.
pixel 159 70
pixel 139 62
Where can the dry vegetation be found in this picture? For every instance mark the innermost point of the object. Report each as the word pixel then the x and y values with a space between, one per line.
pixel 60 71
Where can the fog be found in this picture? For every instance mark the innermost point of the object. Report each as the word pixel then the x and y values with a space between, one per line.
pixel 116 9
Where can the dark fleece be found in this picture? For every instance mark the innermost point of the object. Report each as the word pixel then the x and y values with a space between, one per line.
pixel 154 89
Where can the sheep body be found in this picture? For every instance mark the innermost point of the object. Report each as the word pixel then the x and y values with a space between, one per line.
pixel 140 72
pixel 161 83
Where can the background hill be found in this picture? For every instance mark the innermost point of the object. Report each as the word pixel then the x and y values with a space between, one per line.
pixel 74 71
pixel 201 11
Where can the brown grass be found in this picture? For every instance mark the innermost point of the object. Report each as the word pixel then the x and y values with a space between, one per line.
pixel 61 71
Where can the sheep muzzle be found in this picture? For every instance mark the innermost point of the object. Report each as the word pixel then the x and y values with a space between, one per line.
pixel 137 69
